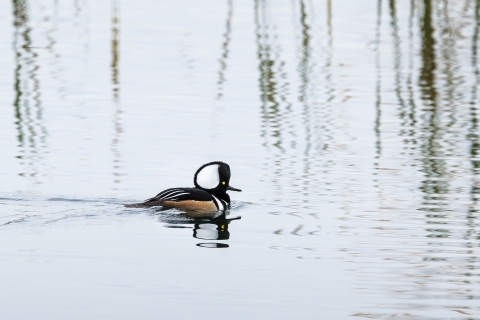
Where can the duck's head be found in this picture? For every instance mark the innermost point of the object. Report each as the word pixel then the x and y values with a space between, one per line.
pixel 214 177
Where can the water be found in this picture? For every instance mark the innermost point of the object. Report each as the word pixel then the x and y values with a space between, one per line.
pixel 351 127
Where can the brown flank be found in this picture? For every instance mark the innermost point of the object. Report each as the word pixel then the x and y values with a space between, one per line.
pixel 190 205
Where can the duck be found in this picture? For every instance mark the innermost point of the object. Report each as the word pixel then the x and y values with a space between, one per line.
pixel 212 181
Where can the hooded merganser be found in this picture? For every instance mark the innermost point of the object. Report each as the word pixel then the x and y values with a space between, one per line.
pixel 209 194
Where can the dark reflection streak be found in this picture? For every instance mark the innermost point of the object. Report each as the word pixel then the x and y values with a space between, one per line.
pixel 305 74
pixel 433 165
pixel 223 59
pixel 411 97
pixel 328 60
pixel 29 117
pixel 264 68
pixel 305 52
pixel 473 132
pixel 429 94
pixel 304 69
pixel 42 134
pixel 277 117
pixel 473 135
pixel 20 19
pixel 378 102
pixel 116 91
pixel 115 53
pixel 398 66
pixel 448 50
pixel 327 69
pixel 329 22
pixel 271 116
pixel 427 81
pixel 29 60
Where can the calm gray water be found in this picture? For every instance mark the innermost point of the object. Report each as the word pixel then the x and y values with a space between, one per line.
pixel 351 126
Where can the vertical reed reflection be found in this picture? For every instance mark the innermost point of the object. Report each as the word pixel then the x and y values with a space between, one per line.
pixel 378 101
pixel 473 135
pixel 115 53
pixel 411 112
pixel 436 134
pixel 398 69
pixel 271 80
pixel 225 50
pixel 305 72
pixel 304 63
pixel 296 126
pixel 309 87
pixel 117 123
pixel 329 87
pixel 31 131
pixel 316 88
pixel 435 184
pixel 271 76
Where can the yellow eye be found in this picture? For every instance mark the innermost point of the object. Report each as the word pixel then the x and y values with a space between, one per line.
pixel 223 182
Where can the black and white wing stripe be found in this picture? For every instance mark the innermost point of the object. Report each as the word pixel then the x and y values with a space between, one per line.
pixel 174 194
pixel 219 203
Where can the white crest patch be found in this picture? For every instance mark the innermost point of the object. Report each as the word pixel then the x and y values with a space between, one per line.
pixel 208 177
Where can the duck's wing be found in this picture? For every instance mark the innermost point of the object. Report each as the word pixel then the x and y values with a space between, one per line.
pixel 174 194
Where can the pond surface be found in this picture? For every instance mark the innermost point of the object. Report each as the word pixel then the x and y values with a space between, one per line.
pixel 352 128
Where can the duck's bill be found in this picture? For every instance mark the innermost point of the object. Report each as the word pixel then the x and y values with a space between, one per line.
pixel 233 189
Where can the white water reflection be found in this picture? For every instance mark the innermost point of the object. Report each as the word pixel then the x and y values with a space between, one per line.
pixel 351 127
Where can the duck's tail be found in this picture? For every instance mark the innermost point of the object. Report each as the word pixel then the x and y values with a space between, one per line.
pixel 137 205
pixel 153 202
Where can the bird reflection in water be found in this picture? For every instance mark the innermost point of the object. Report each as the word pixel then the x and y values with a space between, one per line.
pixel 205 228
